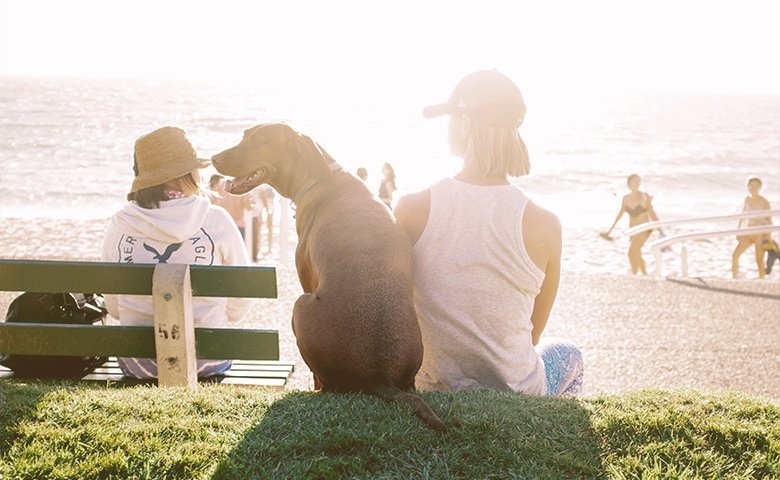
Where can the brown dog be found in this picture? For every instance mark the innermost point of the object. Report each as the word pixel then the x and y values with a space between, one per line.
pixel 355 325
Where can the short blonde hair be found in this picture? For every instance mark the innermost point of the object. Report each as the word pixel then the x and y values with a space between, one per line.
pixel 497 150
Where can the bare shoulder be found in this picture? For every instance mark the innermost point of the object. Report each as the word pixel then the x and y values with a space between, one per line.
pixel 542 236
pixel 414 201
pixel 542 220
pixel 411 212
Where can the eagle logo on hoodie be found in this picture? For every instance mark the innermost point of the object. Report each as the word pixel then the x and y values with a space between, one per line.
pixel 163 257
pixel 198 249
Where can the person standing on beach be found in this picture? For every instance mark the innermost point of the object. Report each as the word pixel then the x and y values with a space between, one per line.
pixel 166 220
pixel 236 205
pixel 387 187
pixel 213 193
pixel 486 258
pixel 263 198
pixel 754 201
pixel 639 206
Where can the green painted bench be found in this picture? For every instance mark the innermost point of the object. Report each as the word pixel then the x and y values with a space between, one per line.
pixel 173 340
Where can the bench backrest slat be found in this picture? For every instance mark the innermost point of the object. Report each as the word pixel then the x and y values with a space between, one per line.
pixel 132 341
pixel 131 279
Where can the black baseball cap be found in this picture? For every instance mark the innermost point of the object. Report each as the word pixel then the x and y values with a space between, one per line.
pixel 488 97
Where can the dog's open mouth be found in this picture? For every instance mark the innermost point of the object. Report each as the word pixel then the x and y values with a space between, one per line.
pixel 246 183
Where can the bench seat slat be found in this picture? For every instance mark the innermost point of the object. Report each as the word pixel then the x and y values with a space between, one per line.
pixel 249 365
pixel 244 372
pixel 256 374
pixel 233 372
pixel 131 341
pixel 119 379
pixel 132 279
pixel 260 368
pixel 258 382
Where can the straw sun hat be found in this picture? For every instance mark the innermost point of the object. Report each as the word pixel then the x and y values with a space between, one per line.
pixel 163 155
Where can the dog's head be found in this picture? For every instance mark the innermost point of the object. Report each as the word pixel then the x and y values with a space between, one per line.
pixel 275 154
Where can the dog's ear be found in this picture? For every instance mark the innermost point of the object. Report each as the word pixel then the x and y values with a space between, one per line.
pixel 314 160
pixel 249 132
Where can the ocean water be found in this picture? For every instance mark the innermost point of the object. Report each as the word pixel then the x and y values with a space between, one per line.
pixel 66 150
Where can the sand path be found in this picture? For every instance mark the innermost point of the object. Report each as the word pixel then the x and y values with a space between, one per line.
pixel 635 332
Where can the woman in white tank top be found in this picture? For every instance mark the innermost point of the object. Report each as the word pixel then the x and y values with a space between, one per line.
pixel 487 259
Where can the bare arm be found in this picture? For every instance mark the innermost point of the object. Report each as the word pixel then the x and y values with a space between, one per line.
pixel 542 239
pixel 650 210
pixel 767 206
pixel 743 221
pixel 411 213
pixel 552 274
pixel 618 217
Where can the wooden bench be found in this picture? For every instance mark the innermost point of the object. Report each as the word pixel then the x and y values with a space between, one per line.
pixel 173 340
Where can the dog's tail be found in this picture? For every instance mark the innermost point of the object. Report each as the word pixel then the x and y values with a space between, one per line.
pixel 388 392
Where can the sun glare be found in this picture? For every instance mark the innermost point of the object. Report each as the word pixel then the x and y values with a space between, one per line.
pixel 406 47
pixel 325 65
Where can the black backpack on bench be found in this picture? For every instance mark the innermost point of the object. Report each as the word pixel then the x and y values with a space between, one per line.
pixel 67 308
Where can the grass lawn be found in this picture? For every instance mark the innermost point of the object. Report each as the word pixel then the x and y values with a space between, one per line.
pixel 51 430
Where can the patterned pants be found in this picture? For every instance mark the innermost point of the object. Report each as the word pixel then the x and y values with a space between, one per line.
pixel 146 368
pixel 563 366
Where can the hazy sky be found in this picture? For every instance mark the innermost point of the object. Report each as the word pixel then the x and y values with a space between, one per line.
pixel 549 46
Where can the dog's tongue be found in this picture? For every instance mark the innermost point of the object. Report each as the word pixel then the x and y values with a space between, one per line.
pixel 242 185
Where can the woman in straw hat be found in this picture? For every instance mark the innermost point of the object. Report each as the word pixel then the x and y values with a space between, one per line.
pixel 487 259
pixel 167 221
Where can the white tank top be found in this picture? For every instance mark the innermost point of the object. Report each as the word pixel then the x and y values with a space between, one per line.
pixel 475 287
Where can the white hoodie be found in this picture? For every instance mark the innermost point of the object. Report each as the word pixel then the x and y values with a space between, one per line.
pixel 186 230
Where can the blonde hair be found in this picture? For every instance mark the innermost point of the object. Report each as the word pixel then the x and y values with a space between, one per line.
pixel 152 196
pixel 497 150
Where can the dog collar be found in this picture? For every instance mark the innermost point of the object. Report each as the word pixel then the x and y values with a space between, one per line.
pixel 309 183
pixel 303 189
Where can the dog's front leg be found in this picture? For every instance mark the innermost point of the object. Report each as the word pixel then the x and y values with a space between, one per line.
pixel 306 274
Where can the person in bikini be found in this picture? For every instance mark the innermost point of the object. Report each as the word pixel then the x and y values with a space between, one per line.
pixel 640 210
pixel 754 201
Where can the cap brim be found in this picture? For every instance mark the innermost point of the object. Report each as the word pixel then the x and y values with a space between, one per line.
pixel 434 111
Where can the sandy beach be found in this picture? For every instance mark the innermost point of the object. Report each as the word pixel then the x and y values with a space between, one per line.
pixel 635 332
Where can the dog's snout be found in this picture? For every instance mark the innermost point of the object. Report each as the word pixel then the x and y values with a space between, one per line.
pixel 219 161
pixel 226 162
